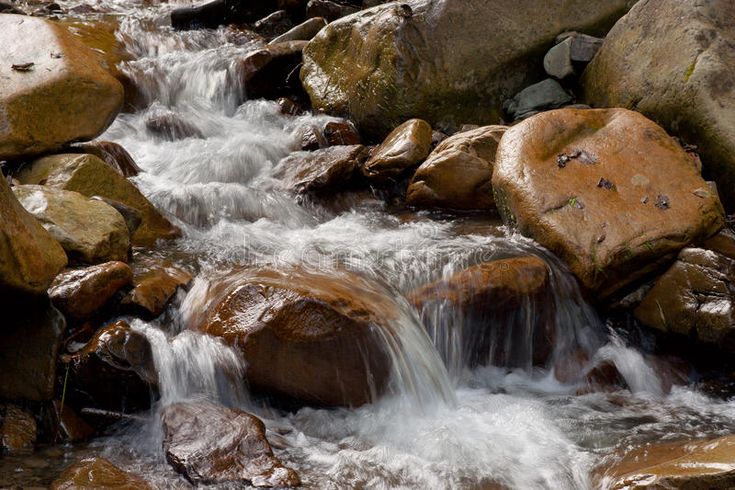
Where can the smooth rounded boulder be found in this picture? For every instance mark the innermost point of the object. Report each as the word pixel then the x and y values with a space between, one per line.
pixel 405 147
pixel 682 76
pixel 434 59
pixel 54 89
pixel 458 173
pixel 98 473
pixel 320 170
pixel 311 337
pixel 608 191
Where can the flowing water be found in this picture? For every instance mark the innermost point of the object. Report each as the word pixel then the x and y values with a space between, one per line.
pixel 446 422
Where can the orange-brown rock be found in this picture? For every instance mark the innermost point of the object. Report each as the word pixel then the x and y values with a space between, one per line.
pixel 341 132
pixel 321 170
pixel 113 155
pixel 80 293
pixel 30 257
pixel 697 464
pixel 18 430
pixel 67 425
pixel 310 336
pixel 209 443
pixel 54 89
pixel 458 173
pixel 154 284
pixel 405 147
pixel 608 191
pixel 491 302
pixel 98 473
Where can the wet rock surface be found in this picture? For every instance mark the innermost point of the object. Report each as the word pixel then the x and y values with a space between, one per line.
pixel 405 147
pixel 680 77
pixel 271 72
pixel 154 284
pixel 321 170
pixel 637 192
pixel 209 443
pixel 98 473
pixel 308 336
pixel 114 155
pixel 18 430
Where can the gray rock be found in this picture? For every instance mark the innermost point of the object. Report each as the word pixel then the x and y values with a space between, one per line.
pixel 302 32
pixel 541 96
pixel 558 61
pixel 329 10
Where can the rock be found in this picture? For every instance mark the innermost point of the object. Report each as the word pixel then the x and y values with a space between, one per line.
pixel 437 62
pixel 681 76
pixel 17 430
pixel 271 72
pixel 221 12
pixel 30 257
pixel 341 132
pixel 29 342
pixel 608 191
pixel 90 176
pixel 155 283
pixel 209 443
pixel 67 424
pixel 575 49
pixel 310 136
pixel 113 155
pixel 328 9
pixel 492 300
pixel 132 216
pixel 90 231
pixel 273 24
pixel 9 8
pixel 80 293
pixel 723 243
pixel 54 67
pixel 458 173
pixel 308 336
pixel 696 464
pixel 694 298
pixel 98 473
pixel 302 32
pixel 112 371
pixel 406 146
pixel 320 170
pixel 541 96
pixel 171 126
pixel 289 106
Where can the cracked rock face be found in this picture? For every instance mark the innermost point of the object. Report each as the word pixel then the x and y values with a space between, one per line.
pixel 694 298
pixel 608 191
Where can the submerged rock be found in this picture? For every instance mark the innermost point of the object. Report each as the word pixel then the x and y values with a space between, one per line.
pixel 170 126
pixel 54 89
pixel 209 443
pixel 30 257
pixel 681 76
pixel 80 293
pixel 434 59
pixel 458 173
pixel 321 170
pixel 98 473
pixel 90 231
pixel 698 464
pixel 90 176
pixel 608 191
pixel 405 147
pixel 308 336
pixel 18 430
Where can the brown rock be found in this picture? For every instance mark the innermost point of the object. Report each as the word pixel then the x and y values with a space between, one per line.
pixel 698 464
pixel 458 173
pixel 321 170
pixel 341 132
pixel 302 32
pixel 154 284
pixel 608 191
pixel 113 155
pixel 80 293
pixel 328 9
pixel 55 67
pixel 17 430
pixel 90 176
pixel 308 336
pixel 29 342
pixel 694 298
pixel 405 147
pixel 271 72
pixel 491 298
pixel 30 257
pixel 208 443
pixel 98 473
pixel 723 243
pixel 171 127
pixel 68 426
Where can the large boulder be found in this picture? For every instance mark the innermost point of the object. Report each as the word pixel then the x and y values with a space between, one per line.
pixel 608 191
pixel 434 59
pixel 209 443
pixel 90 176
pixel 694 298
pixel 307 336
pixel 92 473
pixel 54 89
pixel 673 61
pixel 689 465
pixel 458 173
pixel 90 231
pixel 30 258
